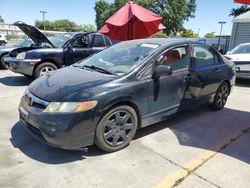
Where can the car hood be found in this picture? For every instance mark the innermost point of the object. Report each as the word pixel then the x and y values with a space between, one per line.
pixel 69 84
pixel 32 32
pixel 238 57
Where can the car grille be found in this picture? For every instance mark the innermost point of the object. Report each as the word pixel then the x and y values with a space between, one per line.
pixel 32 100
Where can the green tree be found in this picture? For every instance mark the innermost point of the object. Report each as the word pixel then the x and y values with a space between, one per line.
pixel 103 11
pixel 188 33
pixel 85 27
pixel 174 12
pixel 1 19
pixel 210 35
pixel 63 25
pixel 238 11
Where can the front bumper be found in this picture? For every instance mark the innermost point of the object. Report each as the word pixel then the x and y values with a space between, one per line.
pixel 23 66
pixel 72 131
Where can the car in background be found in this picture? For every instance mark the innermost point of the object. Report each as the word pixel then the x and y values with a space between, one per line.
pixel 4 50
pixel 3 40
pixel 106 97
pixel 240 55
pixel 56 52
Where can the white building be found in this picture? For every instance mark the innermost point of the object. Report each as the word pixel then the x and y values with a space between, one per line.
pixel 241 30
pixel 9 29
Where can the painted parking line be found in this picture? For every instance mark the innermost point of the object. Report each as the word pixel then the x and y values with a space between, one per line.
pixel 179 175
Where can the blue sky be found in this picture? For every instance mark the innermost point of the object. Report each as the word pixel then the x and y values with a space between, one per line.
pixel 208 12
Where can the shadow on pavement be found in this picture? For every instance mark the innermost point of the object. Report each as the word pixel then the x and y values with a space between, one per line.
pixel 207 131
pixel 15 81
pixel 47 154
pixel 198 127
pixel 243 82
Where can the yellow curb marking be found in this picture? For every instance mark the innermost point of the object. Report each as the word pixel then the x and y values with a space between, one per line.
pixel 181 174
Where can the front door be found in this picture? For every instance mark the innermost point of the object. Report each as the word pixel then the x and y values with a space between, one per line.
pixel 166 94
pixel 77 50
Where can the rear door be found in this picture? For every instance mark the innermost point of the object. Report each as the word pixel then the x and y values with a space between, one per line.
pixel 99 42
pixel 206 72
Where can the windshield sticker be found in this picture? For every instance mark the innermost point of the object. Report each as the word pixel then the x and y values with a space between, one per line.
pixel 150 45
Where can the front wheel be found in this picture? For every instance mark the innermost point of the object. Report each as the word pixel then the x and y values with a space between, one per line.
pixel 2 63
pixel 44 69
pixel 221 96
pixel 116 128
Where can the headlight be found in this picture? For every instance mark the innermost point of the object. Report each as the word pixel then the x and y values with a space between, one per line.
pixel 70 106
pixel 21 55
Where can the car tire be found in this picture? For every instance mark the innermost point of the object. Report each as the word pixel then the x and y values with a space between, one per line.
pixel 220 97
pixel 116 128
pixel 2 63
pixel 44 68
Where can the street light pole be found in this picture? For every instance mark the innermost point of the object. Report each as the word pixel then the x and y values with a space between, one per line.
pixel 221 27
pixel 43 12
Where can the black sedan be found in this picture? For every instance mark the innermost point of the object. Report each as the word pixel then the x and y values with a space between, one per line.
pixel 105 98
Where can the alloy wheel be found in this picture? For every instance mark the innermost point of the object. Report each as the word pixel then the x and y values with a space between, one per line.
pixel 118 127
pixel 45 70
pixel 222 95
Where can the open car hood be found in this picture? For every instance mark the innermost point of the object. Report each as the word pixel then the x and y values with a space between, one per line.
pixel 32 32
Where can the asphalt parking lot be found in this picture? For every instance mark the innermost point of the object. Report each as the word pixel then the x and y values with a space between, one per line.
pixel 195 148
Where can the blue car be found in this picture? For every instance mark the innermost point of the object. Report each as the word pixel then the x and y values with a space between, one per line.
pixel 55 52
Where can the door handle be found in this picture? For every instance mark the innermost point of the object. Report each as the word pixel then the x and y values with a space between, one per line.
pixel 217 70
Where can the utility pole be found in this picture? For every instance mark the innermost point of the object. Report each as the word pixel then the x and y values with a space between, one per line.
pixel 43 12
pixel 221 27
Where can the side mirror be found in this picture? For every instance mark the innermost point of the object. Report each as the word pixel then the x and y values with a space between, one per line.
pixel 161 70
pixel 229 52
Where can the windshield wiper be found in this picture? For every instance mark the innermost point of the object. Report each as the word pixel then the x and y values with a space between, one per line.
pixel 99 69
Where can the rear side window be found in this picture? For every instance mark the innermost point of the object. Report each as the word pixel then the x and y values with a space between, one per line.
pixel 99 41
pixel 177 58
pixel 203 56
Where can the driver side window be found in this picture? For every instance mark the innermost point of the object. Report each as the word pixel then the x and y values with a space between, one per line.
pixel 80 42
pixel 177 58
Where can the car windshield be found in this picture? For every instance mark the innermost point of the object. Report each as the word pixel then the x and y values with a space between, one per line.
pixel 60 39
pixel 120 58
pixel 241 49
pixel 24 42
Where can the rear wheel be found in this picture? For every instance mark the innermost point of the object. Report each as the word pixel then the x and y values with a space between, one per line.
pixel 116 128
pixel 221 96
pixel 44 69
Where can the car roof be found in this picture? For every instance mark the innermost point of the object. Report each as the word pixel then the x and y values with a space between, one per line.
pixel 162 41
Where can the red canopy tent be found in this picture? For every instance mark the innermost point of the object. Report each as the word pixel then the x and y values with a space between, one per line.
pixel 247 2
pixel 132 22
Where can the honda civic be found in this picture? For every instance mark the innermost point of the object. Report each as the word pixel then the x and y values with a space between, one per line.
pixel 106 98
